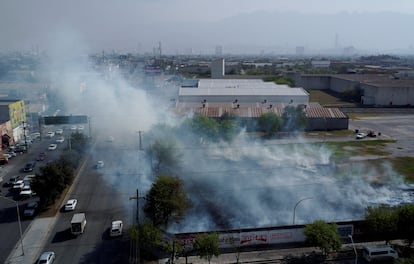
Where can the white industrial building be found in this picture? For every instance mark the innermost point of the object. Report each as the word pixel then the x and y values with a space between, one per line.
pixel 241 91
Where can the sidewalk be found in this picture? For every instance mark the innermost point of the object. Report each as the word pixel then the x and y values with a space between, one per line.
pixel 33 241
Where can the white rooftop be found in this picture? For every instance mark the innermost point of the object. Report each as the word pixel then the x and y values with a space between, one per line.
pixel 240 87
pixel 237 83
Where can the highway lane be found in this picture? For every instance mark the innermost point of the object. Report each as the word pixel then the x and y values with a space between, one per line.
pixel 103 195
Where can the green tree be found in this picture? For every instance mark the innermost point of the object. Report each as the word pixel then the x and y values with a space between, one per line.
pixel 382 222
pixel 405 222
pixel 166 201
pixel 228 128
pixel 205 127
pixel 294 118
pixel 165 155
pixel 323 235
pixel 269 123
pixel 51 182
pixel 78 142
pixel 174 249
pixel 206 245
pixel 149 235
pixel 146 235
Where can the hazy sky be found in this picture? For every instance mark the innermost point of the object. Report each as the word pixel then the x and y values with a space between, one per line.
pixel 181 25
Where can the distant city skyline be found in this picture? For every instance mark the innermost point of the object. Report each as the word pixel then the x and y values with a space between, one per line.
pixel 198 27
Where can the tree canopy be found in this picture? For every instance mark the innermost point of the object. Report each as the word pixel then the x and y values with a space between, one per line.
pixel 269 123
pixel 166 201
pixel 225 128
pixel 294 118
pixel 382 221
pixel 405 222
pixel 165 155
pixel 206 245
pixel 52 180
pixel 323 235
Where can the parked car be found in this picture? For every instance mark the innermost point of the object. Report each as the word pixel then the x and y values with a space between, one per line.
pixel 60 140
pixel 116 228
pixel 46 258
pixel 28 179
pixel 30 209
pixel 29 166
pixel 71 205
pixel 11 154
pixel 59 131
pixel 18 185
pixel 20 148
pixel 4 156
pixel 26 192
pixel 50 134
pixel 12 181
pixel 360 135
pixel 52 147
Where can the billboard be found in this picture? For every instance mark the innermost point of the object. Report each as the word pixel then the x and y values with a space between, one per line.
pixel 62 120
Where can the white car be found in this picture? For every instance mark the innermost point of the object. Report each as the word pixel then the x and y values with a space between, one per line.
pixel 73 128
pixel 18 185
pixel 80 127
pixel 50 134
pixel 60 140
pixel 46 258
pixel 100 164
pixel 360 135
pixel 59 131
pixel 71 205
pixel 116 228
pixel 26 192
pixel 52 147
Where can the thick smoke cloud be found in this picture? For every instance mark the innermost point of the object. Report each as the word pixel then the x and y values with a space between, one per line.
pixel 246 183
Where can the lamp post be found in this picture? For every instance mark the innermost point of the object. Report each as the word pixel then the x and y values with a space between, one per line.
pixel 18 219
pixel 353 245
pixel 294 208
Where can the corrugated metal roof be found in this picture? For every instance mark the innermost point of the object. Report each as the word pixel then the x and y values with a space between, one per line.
pixel 252 111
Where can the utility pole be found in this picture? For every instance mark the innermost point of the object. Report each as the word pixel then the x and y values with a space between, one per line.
pixel 25 138
pixel 137 220
pixel 140 140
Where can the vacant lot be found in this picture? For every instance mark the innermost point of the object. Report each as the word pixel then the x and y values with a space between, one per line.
pixel 327 98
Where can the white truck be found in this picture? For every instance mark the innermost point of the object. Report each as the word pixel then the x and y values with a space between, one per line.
pixel 78 223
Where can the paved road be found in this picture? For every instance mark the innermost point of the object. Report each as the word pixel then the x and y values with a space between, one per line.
pixel 398 127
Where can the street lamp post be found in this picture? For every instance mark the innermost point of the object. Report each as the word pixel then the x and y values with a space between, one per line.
pixel 353 245
pixel 294 208
pixel 18 219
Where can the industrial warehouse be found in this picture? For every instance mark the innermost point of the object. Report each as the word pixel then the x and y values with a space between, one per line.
pixel 249 99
